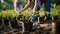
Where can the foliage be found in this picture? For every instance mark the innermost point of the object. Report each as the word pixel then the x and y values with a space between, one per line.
pixel 26 14
pixel 4 5
pixel 59 11
pixel 57 2
pixel 55 10
pixel 9 13
pixel 8 4
pixel 2 14
pixel 25 1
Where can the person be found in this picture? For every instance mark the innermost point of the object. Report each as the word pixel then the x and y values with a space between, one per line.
pixel 47 7
pixel 15 1
pixel 18 5
pixel 37 3
pixel 45 27
pixel 36 6
pixel 33 18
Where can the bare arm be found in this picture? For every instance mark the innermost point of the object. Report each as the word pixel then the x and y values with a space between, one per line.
pixel 27 5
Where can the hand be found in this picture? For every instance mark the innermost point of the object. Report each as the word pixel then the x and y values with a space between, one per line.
pixel 44 25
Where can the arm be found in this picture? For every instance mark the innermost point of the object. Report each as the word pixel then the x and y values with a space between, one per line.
pixel 15 1
pixel 27 5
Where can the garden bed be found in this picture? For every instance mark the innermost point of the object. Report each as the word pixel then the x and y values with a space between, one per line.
pixel 9 19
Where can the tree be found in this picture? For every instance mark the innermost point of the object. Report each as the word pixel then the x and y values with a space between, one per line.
pixel 56 1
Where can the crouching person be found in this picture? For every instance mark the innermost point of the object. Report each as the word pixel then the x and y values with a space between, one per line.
pixel 33 18
pixel 18 5
pixel 36 7
pixel 45 27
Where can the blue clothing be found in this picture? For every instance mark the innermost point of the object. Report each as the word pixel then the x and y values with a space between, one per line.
pixel 39 3
pixel 17 5
pixel 20 1
pixel 33 18
pixel 47 5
